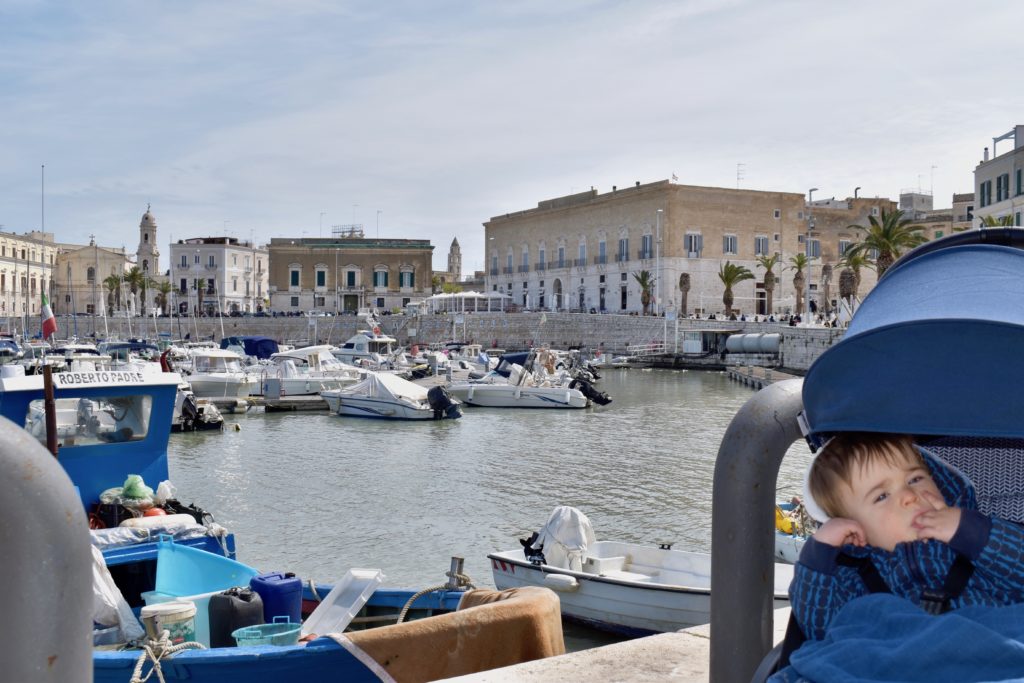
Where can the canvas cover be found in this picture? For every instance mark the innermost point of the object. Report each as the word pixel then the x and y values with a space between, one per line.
pixel 257 347
pixel 933 350
pixel 565 538
pixel 388 386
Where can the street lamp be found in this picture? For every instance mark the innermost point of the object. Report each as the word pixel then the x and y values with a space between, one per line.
pixel 807 249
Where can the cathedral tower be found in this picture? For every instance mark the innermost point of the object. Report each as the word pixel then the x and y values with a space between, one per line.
pixel 455 262
pixel 148 256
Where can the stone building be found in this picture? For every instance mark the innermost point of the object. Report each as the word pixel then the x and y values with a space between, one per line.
pixel 219 274
pixel 80 274
pixel 347 272
pixel 453 273
pixel 999 181
pixel 580 252
pixel 27 265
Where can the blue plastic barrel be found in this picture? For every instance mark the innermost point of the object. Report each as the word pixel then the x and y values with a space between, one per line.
pixel 281 594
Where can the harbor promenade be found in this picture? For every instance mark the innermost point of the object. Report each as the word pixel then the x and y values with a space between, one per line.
pixel 609 334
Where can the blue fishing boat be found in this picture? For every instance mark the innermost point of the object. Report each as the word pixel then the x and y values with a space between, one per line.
pixel 106 425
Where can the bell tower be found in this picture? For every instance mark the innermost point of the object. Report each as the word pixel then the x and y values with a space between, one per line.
pixel 455 262
pixel 148 256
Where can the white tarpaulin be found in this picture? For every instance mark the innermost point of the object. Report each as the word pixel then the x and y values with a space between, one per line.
pixel 565 538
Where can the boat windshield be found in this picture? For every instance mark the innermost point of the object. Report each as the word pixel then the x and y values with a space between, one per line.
pixel 216 364
pixel 91 421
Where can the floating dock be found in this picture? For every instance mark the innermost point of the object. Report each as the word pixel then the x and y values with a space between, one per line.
pixel 289 403
pixel 756 377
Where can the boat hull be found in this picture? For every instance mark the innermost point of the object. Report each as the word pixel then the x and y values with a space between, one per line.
pixel 633 607
pixel 378 409
pixel 508 396
pixel 220 387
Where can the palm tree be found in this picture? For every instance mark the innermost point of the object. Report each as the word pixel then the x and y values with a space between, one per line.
pixel 163 296
pixel 646 282
pixel 135 280
pixel 730 274
pixel 798 263
pixel 684 290
pixel 849 277
pixel 200 290
pixel 888 237
pixel 112 284
pixel 993 222
pixel 769 263
pixel 451 288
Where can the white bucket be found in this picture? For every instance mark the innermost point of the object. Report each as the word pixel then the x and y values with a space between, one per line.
pixel 179 618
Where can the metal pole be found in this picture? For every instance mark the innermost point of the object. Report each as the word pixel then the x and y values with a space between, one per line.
pixel 657 263
pixel 50 409
pixel 807 249
pixel 742 538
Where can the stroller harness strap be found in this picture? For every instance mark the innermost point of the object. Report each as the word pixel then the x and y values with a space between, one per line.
pixel 932 601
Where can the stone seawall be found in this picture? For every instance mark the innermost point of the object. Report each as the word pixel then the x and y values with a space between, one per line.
pixel 512 331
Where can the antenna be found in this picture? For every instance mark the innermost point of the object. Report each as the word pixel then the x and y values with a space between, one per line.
pixel 931 181
pixel 740 168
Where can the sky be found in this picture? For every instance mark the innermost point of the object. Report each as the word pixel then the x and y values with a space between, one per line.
pixel 262 119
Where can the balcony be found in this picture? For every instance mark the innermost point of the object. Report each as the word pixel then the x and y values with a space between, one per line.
pixel 493 271
pixel 645 255
pixel 552 265
pixel 600 260
pixel 507 270
pixel 540 266
pixel 211 266
pixel 579 262
pixel 524 269
pixel 621 258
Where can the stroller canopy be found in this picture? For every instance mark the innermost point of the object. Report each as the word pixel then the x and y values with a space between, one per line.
pixel 933 349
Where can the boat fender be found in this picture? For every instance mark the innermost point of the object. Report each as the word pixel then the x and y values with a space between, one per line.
pixel 561 583
pixel 469 394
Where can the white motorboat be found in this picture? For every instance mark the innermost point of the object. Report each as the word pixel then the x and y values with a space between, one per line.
pixel 792 528
pixel 622 587
pixel 383 395
pixel 216 373
pixel 536 388
pixel 307 371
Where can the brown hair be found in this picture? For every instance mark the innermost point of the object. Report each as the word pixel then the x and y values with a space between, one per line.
pixel 835 464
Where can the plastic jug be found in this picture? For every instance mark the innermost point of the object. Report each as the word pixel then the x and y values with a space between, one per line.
pixel 282 595
pixel 231 610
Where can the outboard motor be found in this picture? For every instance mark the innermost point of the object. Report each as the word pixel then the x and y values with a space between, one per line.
pixel 588 390
pixel 189 413
pixel 441 402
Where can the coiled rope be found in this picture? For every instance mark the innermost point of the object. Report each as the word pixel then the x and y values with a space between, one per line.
pixel 154 651
pixel 463 582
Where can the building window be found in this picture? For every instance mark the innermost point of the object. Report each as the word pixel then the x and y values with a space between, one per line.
pixel 844 245
pixel 380 302
pixel 728 244
pixel 406 278
pixel 623 254
pixel 380 278
pixel 646 249
pixel 184 285
pixel 321 278
pixel 211 261
pixel 541 255
pixel 196 259
pixel 350 278
pixel 602 252
pixel 508 262
pixel 985 192
pixel 90 275
pixel 525 262
pixel 293 277
pixel 815 250
pixel 90 309
pixel 623 277
pixel 777 214
pixel 561 257
pixel 874 210
pixel 582 255
pixel 761 245
pixel 1017 218
pixel 234 284
pixel 145 237
pixel 319 300
pixel 295 302
pixel 184 260
pixel 694 244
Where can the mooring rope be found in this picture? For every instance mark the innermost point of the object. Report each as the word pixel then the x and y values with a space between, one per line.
pixel 462 582
pixel 155 650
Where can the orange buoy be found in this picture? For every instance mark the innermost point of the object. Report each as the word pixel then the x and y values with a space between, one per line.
pixel 376 330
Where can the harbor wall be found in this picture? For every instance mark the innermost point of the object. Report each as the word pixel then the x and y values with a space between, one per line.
pixel 614 334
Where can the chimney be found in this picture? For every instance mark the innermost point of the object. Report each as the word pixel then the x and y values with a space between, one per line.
pixel 985 158
pixel 638 183
pixel 614 188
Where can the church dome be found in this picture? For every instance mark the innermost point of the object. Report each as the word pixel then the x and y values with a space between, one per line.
pixel 147 220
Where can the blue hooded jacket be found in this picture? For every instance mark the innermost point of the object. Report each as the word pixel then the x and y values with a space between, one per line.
pixel 821 587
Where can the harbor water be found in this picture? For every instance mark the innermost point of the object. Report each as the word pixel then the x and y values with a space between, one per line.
pixel 316 494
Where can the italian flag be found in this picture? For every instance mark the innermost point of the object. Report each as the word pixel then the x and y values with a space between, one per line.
pixel 49 322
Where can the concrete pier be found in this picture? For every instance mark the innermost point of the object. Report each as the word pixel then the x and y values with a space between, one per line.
pixel 756 377
pixel 682 656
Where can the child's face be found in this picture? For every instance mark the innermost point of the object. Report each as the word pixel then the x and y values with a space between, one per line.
pixel 887 499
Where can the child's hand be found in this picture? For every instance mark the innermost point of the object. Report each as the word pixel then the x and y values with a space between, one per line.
pixel 840 531
pixel 939 523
